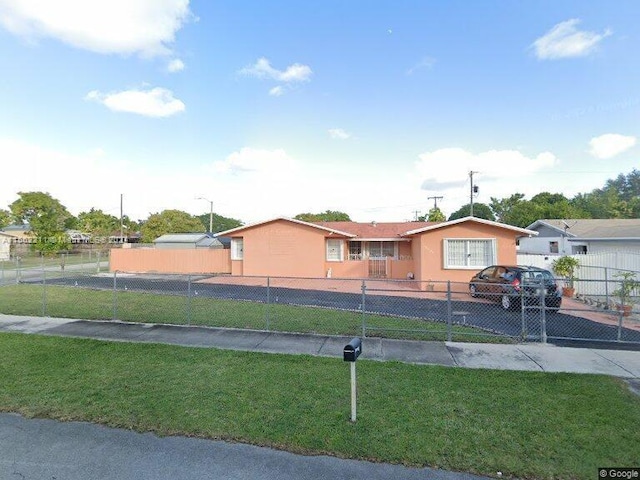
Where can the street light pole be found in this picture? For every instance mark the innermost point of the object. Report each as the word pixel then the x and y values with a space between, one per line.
pixel 210 212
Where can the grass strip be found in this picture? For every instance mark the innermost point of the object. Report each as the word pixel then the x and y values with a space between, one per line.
pixel 523 424
pixel 83 303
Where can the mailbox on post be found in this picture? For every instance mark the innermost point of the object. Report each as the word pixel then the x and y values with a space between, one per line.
pixel 350 354
pixel 352 350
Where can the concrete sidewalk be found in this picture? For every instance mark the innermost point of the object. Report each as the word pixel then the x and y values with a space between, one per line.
pixel 527 357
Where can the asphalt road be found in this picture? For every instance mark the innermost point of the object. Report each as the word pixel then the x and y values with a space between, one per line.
pixel 485 315
pixel 47 449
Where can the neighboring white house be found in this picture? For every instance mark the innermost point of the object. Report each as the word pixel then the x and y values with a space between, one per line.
pixel 5 246
pixel 187 240
pixel 575 236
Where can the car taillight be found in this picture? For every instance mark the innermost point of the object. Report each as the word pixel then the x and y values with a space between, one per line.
pixel 516 284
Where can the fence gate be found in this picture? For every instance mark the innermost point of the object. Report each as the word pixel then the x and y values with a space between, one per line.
pixel 377 267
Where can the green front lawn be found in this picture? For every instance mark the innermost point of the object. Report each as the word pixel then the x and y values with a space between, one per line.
pixel 523 424
pixel 81 303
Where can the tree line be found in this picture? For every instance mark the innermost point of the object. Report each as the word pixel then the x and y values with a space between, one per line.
pixel 618 198
pixel 48 219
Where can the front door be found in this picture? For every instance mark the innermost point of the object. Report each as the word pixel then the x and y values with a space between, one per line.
pixel 379 255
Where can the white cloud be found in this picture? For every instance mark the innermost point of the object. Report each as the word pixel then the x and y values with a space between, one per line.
pixel 292 74
pixel 175 65
pixel 262 69
pixel 146 27
pixel 339 134
pixel 565 40
pixel 449 167
pixel 610 144
pixel 424 63
pixel 156 102
pixel 256 160
pixel 276 91
pixel 296 73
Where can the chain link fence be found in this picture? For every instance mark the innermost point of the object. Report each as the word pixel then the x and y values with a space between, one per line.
pixel 404 309
pixel 32 266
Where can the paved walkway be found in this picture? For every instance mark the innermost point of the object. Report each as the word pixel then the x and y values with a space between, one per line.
pixel 530 357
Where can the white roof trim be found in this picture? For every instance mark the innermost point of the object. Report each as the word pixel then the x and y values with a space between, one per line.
pixel 562 231
pixel 286 219
pixel 523 231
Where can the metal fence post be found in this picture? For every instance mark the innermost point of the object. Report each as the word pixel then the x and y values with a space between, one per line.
pixel 18 271
pixel 189 300
pixel 620 319
pixel 543 315
pixel 115 296
pixel 44 287
pixel 606 287
pixel 364 319
pixel 268 309
pixel 98 262
pixel 449 314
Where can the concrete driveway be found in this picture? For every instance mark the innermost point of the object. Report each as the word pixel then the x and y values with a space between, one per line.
pixel 485 315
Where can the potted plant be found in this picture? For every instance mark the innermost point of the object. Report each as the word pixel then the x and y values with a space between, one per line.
pixel 566 267
pixel 627 287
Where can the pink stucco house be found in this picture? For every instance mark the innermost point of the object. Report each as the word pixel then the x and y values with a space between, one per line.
pixel 423 251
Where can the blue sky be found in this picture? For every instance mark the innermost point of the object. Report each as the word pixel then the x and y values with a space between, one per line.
pixel 276 108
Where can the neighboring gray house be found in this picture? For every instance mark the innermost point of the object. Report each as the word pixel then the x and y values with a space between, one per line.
pixel 187 240
pixel 572 236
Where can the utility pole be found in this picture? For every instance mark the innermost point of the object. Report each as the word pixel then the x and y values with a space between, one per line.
pixel 415 215
pixel 473 189
pixel 435 200
pixel 210 212
pixel 121 222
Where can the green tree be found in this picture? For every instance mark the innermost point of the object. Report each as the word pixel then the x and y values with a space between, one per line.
pixel 46 217
pixel 170 221
pixel 5 218
pixel 501 208
pixel 480 210
pixel 220 223
pixel 97 223
pixel 435 215
pixel 327 216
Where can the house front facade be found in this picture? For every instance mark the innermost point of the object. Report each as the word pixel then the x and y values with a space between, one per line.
pixel 5 246
pixel 579 236
pixel 423 251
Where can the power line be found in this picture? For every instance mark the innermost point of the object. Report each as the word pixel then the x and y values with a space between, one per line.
pixel 435 201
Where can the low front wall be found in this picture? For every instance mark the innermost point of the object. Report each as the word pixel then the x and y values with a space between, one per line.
pixel 140 260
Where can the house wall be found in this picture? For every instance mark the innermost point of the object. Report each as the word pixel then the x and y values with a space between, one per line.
pixel 429 255
pixel 541 244
pixel 175 245
pixel 283 249
pixel 613 246
pixel 5 247
pixel 142 260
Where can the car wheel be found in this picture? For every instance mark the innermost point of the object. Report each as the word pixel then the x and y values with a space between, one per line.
pixel 472 290
pixel 506 302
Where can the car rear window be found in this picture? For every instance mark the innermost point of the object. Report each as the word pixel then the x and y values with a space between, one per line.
pixel 537 275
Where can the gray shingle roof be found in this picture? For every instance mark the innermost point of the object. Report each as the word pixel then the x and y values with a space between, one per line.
pixel 180 238
pixel 595 228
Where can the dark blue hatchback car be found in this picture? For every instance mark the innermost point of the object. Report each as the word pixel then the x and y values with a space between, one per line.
pixel 515 286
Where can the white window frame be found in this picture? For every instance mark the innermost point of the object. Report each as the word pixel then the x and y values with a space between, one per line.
pixel 237 248
pixel 329 248
pixel 469 263
pixel 382 244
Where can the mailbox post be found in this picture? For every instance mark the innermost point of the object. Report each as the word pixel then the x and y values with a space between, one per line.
pixel 351 353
